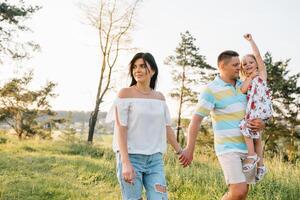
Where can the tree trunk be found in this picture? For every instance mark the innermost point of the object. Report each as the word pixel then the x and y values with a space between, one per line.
pixel 179 121
pixel 180 105
pixel 111 33
pixel 92 122
pixel 19 136
pixel 94 114
pixel 18 126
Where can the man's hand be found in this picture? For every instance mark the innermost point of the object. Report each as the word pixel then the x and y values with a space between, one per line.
pixel 256 125
pixel 186 157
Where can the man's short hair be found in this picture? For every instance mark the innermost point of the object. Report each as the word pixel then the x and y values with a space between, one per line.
pixel 226 55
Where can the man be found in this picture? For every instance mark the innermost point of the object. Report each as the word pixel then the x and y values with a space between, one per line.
pixel 226 104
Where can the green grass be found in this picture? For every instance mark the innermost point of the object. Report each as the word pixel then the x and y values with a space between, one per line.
pixel 38 170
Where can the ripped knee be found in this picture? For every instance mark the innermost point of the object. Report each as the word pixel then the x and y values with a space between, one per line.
pixel 160 188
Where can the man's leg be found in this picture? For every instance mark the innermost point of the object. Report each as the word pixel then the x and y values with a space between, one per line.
pixel 236 180
pixel 236 191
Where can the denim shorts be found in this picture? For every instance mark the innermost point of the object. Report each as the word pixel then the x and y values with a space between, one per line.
pixel 150 174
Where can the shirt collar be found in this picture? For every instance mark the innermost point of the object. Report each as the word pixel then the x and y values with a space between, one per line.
pixel 223 83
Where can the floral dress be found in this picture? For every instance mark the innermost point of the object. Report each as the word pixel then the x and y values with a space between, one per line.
pixel 259 105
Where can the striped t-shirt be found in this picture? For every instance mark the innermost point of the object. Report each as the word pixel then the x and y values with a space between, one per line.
pixel 226 104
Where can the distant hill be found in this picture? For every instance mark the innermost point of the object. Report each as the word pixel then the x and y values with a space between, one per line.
pixel 79 116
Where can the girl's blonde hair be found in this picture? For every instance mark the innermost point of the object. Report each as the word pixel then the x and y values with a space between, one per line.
pixel 242 72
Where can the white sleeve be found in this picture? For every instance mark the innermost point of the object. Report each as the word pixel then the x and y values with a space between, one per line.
pixel 167 115
pixel 121 107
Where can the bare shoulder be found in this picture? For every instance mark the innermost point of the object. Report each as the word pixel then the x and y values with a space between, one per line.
pixel 125 92
pixel 160 96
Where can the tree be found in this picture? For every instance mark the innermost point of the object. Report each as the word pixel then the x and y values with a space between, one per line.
pixel 69 131
pixel 281 134
pixel 12 18
pixel 189 71
pixel 26 111
pixel 113 21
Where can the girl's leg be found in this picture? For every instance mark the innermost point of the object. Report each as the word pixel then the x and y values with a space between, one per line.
pixel 261 169
pixel 259 150
pixel 246 132
pixel 251 160
pixel 250 146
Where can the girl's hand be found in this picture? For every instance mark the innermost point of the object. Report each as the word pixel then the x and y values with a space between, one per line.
pixel 253 74
pixel 248 36
pixel 128 173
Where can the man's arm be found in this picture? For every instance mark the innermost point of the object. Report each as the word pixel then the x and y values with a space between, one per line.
pixel 186 156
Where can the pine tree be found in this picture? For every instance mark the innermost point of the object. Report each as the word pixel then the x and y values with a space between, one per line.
pixel 189 71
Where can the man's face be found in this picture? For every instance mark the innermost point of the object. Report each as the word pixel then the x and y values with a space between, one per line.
pixel 231 67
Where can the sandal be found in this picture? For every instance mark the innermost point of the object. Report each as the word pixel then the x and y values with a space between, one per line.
pixel 249 166
pixel 261 172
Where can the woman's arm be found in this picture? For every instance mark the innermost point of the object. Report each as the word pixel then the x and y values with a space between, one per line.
pixel 172 140
pixel 127 168
pixel 122 141
pixel 261 65
pixel 170 134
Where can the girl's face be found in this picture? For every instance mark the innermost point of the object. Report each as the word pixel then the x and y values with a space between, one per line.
pixel 249 65
pixel 142 71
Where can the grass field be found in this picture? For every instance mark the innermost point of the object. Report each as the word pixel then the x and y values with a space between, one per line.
pixel 40 170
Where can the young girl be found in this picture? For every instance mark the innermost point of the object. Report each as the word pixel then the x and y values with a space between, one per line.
pixel 259 106
pixel 142 127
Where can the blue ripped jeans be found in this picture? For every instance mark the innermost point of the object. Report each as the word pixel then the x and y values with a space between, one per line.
pixel 149 171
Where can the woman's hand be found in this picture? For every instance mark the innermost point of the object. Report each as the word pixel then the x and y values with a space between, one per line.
pixel 128 172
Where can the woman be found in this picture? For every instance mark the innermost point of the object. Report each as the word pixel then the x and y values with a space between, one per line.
pixel 142 126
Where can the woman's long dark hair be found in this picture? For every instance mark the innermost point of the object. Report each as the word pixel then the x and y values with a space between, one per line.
pixel 147 57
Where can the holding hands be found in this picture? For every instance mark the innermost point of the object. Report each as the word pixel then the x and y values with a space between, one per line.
pixel 186 157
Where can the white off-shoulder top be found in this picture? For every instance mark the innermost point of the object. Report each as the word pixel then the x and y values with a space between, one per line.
pixel 146 121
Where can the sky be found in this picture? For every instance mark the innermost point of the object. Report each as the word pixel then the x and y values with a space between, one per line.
pixel 70 56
